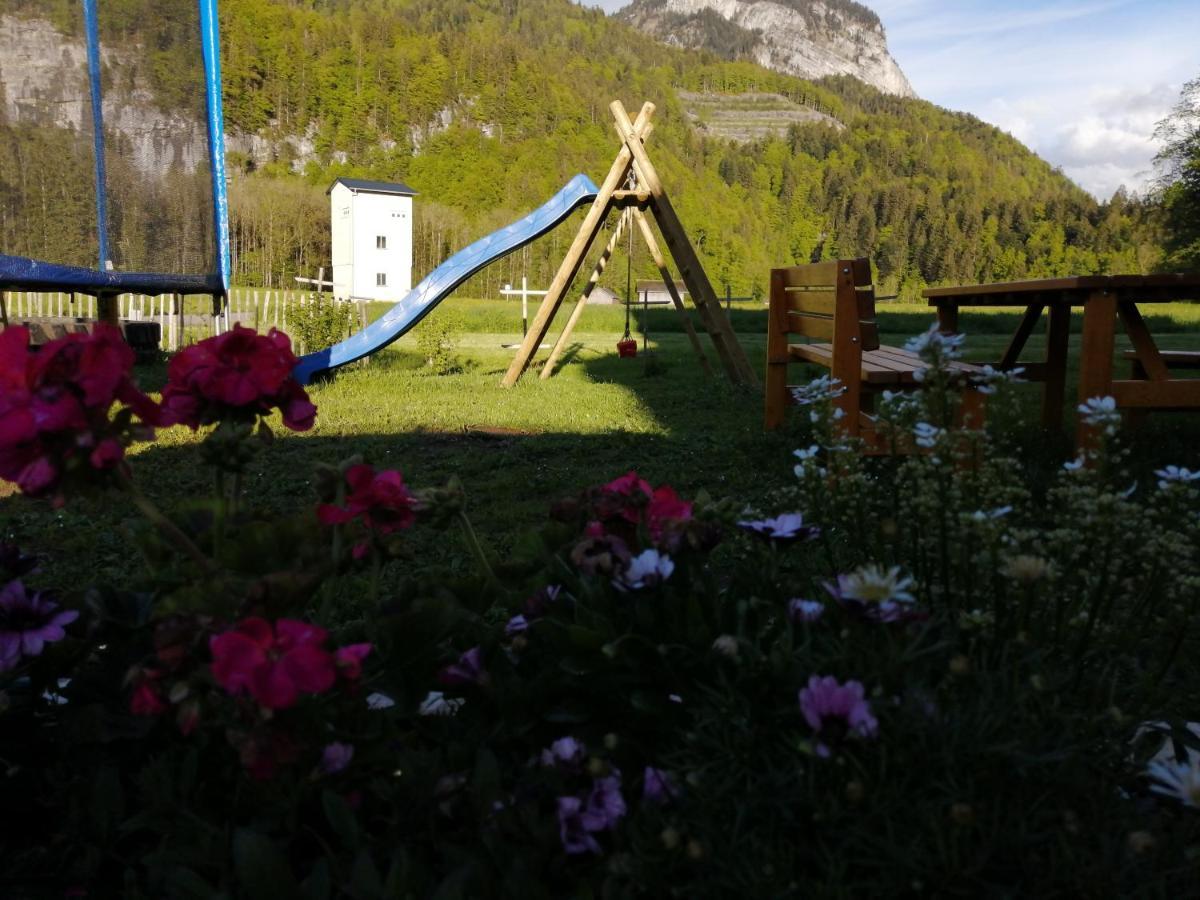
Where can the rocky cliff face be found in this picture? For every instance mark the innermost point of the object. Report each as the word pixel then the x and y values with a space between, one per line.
pixel 808 38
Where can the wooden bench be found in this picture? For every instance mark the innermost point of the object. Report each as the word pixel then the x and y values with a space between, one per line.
pixel 835 301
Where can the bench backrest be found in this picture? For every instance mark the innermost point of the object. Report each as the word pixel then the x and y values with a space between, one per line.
pixel 833 301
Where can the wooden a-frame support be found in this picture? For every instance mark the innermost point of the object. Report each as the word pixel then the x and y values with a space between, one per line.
pixel 652 195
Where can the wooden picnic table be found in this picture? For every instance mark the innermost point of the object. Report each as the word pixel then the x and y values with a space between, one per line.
pixel 1105 299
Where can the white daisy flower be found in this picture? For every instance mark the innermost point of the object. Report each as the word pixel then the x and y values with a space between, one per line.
pixel 927 435
pixel 817 391
pixel 871 584
pixel 1178 780
pixel 377 700
pixel 1101 412
pixel 436 704
pixel 646 569
pixel 1172 475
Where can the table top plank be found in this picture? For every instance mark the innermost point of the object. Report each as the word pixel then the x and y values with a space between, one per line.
pixel 1165 287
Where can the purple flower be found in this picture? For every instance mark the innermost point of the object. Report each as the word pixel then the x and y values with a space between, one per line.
pixel 336 757
pixel 27 623
pixel 566 751
pixel 658 787
pixel 606 804
pixel 516 625
pixel 575 826
pixel 468 670
pixel 805 611
pixel 781 529
pixel 836 711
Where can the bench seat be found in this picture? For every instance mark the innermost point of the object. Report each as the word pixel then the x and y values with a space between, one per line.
pixel 884 366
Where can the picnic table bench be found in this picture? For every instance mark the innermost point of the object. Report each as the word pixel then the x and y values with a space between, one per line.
pixel 1105 300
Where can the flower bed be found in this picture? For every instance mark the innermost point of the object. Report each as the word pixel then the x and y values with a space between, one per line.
pixel 912 675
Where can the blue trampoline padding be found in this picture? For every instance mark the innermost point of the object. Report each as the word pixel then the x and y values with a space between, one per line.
pixel 445 278
pixel 20 273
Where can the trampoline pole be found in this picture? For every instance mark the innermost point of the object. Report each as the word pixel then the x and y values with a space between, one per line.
pixel 107 310
pixel 92 32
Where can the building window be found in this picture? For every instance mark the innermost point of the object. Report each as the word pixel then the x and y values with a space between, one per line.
pixel 381 242
pixel 381 279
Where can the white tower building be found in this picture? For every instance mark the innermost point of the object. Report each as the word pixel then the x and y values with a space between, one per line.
pixel 371 223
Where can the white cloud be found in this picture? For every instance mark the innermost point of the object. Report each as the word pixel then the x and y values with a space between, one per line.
pixel 1081 82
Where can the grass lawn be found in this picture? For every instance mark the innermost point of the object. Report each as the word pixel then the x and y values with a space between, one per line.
pixel 518 450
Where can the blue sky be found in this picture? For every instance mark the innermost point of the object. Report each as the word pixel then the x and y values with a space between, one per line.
pixel 1081 82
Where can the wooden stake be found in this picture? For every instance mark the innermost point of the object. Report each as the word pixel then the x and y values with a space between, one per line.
pixel 669 281
pixel 577 312
pixel 576 253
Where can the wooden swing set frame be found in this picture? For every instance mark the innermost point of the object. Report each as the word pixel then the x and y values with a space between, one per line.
pixel 648 195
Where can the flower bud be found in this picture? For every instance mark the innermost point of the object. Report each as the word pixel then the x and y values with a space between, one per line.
pixel 962 814
pixel 960 665
pixel 670 838
pixel 726 645
pixel 695 850
pixel 611 741
pixel 1140 842
pixel 856 792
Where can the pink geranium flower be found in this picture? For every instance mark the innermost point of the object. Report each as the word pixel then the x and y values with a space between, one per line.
pixel 147 699
pixel 275 665
pixel 54 407
pixel 349 660
pixel 27 623
pixel 628 485
pixel 836 711
pixel 240 375
pixel 665 510
pixel 380 499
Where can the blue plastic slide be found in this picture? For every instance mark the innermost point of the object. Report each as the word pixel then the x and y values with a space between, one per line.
pixel 442 281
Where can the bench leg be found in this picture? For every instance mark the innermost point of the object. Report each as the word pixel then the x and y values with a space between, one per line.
pixel 776 396
pixel 972 412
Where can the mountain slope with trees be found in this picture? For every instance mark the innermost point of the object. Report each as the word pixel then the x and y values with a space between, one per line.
pixel 486 107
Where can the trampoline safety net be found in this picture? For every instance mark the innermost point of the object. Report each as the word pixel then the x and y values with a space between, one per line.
pixel 111 154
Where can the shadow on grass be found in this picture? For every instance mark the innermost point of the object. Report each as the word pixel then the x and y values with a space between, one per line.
pixel 710 437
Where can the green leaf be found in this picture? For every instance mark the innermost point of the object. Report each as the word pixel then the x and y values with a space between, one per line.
pixel 365 882
pixel 261 866
pixel 319 884
pixel 454 885
pixel 341 818
pixel 184 883
pixel 107 801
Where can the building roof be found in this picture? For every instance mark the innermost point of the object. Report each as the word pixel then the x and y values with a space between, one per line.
pixel 378 187
pixel 659 287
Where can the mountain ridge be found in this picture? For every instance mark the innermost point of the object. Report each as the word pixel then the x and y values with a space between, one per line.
pixel 805 38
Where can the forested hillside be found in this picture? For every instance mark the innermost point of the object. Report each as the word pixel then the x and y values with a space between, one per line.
pixel 486 107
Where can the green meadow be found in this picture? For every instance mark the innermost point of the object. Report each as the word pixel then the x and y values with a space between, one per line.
pixel 517 450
